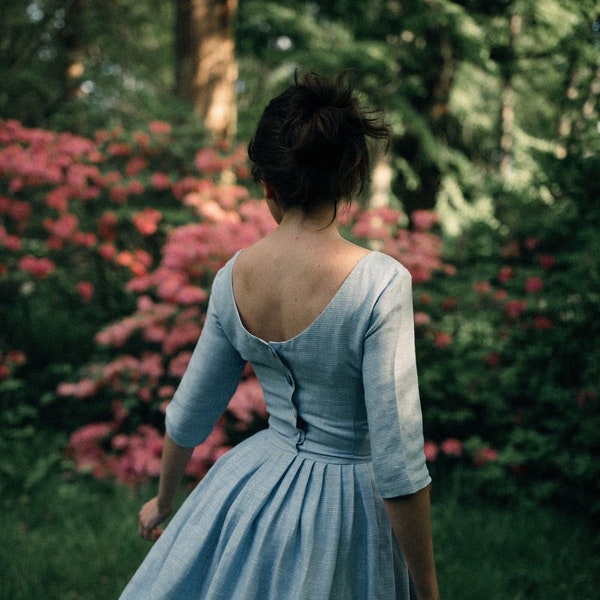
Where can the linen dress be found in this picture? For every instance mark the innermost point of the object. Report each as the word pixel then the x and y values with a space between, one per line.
pixel 295 512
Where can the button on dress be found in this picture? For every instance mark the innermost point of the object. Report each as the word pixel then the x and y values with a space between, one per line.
pixel 295 512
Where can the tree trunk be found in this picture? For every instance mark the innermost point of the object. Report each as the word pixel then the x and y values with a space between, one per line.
pixel 565 125
pixel 206 69
pixel 74 68
pixel 507 117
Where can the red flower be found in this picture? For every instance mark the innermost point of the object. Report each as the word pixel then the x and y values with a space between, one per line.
pixel 531 243
pixel 534 284
pixel 442 340
pixel 505 274
pixel 514 308
pixel 547 261
pixel 542 323
pixel 106 226
pixel 449 304
pixel 492 360
pixel 39 267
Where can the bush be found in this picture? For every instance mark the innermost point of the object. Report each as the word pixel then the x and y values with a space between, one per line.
pixel 513 367
pixel 108 248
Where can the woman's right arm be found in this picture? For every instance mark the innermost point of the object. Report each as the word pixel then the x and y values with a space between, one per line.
pixel 411 522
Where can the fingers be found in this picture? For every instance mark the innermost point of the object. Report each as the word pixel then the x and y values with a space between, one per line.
pixel 149 533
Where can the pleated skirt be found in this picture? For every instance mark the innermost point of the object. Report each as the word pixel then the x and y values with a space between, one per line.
pixel 271 522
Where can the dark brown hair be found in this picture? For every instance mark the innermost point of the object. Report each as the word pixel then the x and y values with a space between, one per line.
pixel 310 144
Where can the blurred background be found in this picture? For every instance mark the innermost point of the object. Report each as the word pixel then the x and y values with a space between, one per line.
pixel 124 186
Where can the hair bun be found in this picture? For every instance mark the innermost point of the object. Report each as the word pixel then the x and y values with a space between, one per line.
pixel 311 143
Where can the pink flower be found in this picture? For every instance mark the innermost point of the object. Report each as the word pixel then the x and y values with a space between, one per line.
pixel 160 181
pixel 146 221
pixel 39 267
pixel 106 226
pixel 135 187
pixel 63 227
pixel 442 340
pixel 208 161
pixel 58 198
pixel 160 128
pixel 4 372
pixel 482 287
pixel 423 220
pixel 542 323
pixel 485 455
pixel 452 447
pixel 108 252
pixel 142 139
pixel 118 149
pixel 86 290
pixel 179 364
pixel 11 242
pixel 534 284
pixel 16 357
pixel 84 388
pixel 531 243
pixel 135 165
pixel 431 450
pixel 422 318
pixel 191 294
pixel 493 360
pixel 118 194
pixel 514 308
pixel 84 238
pixel 505 274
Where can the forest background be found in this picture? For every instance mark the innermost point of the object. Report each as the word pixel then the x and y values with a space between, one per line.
pixel 124 186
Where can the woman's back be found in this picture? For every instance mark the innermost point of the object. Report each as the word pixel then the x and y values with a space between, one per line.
pixel 283 283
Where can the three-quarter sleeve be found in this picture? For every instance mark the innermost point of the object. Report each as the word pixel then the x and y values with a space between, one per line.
pixel 211 378
pixel 392 392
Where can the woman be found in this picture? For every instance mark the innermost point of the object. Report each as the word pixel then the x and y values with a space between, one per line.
pixel 331 502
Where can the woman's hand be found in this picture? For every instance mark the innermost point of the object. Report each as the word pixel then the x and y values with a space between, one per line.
pixel 151 515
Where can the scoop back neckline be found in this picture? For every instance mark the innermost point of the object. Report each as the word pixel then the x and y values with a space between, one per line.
pixel 294 338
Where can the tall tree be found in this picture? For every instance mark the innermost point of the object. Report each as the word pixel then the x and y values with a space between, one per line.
pixel 206 67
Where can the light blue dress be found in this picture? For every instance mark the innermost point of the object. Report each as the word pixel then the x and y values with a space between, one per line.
pixel 295 512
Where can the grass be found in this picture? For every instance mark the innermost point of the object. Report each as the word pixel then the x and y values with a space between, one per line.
pixel 76 539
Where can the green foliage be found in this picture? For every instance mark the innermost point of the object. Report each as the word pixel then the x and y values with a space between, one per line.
pixel 518 372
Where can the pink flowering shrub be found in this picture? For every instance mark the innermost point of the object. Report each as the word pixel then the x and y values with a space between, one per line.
pixel 167 323
pixel 112 243
pixel 108 248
